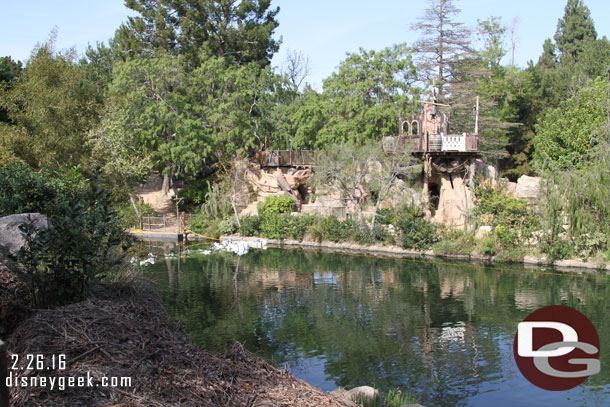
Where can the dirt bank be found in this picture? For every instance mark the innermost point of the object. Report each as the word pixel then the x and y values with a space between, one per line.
pixel 126 332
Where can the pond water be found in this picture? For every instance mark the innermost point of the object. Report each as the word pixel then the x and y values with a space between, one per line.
pixel 440 330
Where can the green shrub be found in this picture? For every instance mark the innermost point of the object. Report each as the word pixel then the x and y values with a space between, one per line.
pixel 24 190
pixel 129 217
pixel 511 254
pixel 506 209
pixel 590 244
pixel 386 216
pixel 417 233
pixel 198 222
pixel 85 244
pixel 273 205
pixel 456 242
pixel 360 233
pixel 194 193
pixel 212 229
pixel 228 226
pixel 274 225
pixel 556 249
pixel 393 398
pixel 317 231
pixel 203 225
pixel 250 226
pixel 331 229
pixel 381 234
pixel 488 245
pixel 299 225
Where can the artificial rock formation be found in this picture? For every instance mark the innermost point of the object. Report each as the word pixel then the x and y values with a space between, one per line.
pixel 528 188
pixel 276 182
pixel 455 201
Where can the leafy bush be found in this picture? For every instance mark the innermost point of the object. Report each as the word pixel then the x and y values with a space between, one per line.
pixel 506 210
pixel 330 228
pixel 274 225
pixel 381 234
pixel 386 216
pixel 299 225
pixel 198 222
pixel 84 244
pixel 250 226
pixel 393 398
pixel 556 249
pixel 417 233
pixel 488 245
pixel 24 190
pixel 129 217
pixel 274 205
pixel 591 243
pixel 456 242
pixel 228 226
pixel 511 254
pixel 194 193
pixel 205 226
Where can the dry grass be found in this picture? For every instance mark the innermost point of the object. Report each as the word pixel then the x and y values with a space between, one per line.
pixel 133 336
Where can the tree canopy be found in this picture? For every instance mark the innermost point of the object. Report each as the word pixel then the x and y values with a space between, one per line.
pixel 241 31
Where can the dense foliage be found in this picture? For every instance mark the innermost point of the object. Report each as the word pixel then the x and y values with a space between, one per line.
pixel 23 190
pixel 85 240
pixel 185 87
pixel 566 134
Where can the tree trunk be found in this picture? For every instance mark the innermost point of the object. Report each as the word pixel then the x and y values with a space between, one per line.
pixel 236 171
pixel 165 186
pixel 167 180
pixel 135 207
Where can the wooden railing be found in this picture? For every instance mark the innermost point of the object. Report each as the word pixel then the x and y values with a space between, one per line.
pixel 153 222
pixel 448 143
pixel 285 158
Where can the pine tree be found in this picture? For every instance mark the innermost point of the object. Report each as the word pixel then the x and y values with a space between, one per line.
pixel 573 30
pixel 443 41
pixel 241 30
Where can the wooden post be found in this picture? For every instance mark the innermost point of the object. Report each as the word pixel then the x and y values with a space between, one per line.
pixel 476 118
pixel 4 393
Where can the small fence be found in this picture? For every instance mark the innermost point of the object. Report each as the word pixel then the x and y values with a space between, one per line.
pixel 154 222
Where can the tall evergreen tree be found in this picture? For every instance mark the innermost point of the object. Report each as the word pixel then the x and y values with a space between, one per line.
pixel 443 41
pixel 240 30
pixel 574 30
pixel 9 72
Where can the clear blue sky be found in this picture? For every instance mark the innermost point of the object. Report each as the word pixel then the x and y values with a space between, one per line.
pixel 324 30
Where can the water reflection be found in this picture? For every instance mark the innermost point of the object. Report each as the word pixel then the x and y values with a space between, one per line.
pixel 443 331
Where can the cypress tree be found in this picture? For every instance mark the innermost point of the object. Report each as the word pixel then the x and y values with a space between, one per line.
pixel 574 30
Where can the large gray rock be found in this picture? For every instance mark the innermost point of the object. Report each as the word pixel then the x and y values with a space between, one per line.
pixel 528 188
pixel 486 171
pixel 11 239
pixel 362 393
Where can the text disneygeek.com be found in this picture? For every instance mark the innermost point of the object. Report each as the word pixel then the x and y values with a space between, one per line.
pixel 63 382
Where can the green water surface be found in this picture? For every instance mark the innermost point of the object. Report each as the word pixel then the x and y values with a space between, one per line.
pixel 441 330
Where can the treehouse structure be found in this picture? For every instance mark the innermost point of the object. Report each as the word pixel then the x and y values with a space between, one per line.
pixel 429 133
pixel 449 160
